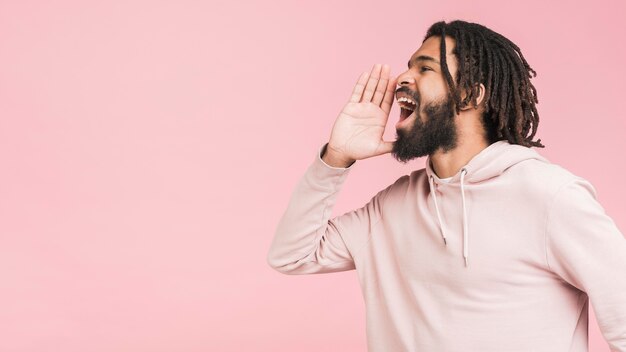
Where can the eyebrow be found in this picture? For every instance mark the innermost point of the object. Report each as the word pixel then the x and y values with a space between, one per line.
pixel 423 58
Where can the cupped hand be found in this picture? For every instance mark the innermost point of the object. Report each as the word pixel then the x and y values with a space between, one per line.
pixel 358 130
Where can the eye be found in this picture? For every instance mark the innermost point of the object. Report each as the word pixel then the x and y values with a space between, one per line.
pixel 425 68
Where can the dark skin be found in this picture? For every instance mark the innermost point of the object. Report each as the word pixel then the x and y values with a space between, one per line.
pixel 426 78
pixel 358 130
pixel 425 135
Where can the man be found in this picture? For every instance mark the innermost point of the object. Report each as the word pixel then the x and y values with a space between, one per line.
pixel 490 247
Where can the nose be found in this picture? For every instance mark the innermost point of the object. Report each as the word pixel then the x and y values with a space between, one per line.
pixel 406 79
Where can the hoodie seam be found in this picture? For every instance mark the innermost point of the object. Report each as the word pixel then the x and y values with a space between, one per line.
pixel 358 251
pixel 316 240
pixel 330 191
pixel 547 219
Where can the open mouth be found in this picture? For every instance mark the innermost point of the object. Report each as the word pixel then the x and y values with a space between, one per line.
pixel 407 107
pixel 404 113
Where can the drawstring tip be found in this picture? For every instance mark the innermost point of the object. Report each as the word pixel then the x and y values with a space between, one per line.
pixel 445 241
pixel 465 260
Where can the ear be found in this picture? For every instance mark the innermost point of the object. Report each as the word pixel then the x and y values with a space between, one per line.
pixel 478 89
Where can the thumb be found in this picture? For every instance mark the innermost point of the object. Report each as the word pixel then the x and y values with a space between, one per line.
pixel 384 147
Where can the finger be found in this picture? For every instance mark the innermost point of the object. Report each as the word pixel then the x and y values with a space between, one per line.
pixel 382 85
pixel 371 84
pixel 359 87
pixel 390 96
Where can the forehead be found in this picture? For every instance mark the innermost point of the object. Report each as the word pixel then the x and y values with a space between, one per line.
pixel 431 48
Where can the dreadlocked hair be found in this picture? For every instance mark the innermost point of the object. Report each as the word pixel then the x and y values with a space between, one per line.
pixel 487 57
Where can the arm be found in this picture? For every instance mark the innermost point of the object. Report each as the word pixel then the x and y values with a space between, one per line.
pixel 306 241
pixel 586 249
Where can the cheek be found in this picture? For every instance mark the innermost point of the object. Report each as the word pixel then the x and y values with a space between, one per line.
pixel 432 90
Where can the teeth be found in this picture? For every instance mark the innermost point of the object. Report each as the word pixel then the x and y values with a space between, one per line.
pixel 407 101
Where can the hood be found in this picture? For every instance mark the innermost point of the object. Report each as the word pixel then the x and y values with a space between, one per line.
pixel 488 163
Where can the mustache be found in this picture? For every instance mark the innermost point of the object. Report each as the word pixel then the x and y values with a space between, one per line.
pixel 413 94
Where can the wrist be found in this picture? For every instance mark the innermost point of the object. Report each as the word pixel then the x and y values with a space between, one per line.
pixel 335 159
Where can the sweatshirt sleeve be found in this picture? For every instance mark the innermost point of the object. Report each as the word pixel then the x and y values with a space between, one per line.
pixel 586 249
pixel 306 240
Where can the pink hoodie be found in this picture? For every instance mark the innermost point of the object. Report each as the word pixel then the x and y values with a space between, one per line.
pixel 506 256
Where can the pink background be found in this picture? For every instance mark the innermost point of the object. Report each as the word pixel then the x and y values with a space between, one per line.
pixel 149 148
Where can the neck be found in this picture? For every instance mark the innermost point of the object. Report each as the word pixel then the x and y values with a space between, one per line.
pixel 449 163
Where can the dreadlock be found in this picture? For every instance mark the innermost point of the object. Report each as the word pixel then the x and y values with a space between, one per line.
pixel 487 57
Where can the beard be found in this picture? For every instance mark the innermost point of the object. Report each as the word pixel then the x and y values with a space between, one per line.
pixel 424 138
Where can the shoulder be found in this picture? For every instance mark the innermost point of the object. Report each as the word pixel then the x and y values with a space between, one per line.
pixel 407 185
pixel 402 186
pixel 547 178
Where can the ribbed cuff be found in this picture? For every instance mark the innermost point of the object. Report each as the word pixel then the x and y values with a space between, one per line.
pixel 321 152
pixel 323 176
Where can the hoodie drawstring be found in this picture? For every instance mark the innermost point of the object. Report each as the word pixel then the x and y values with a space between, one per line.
pixel 432 191
pixel 465 230
pixel 465 227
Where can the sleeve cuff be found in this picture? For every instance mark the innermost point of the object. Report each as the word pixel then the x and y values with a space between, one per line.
pixel 319 158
